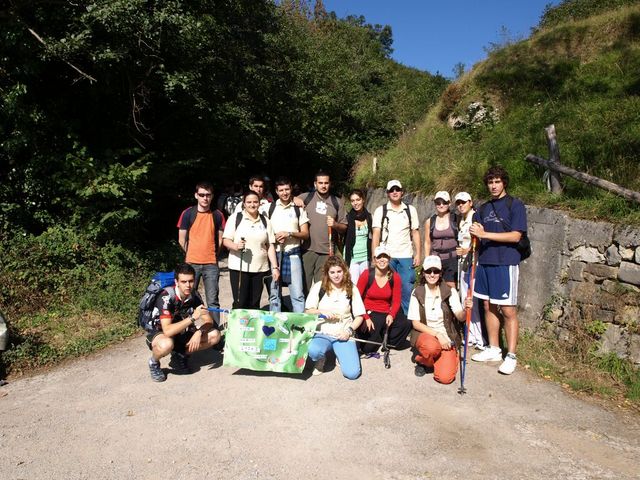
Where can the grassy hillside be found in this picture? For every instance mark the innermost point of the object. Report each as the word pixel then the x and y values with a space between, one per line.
pixel 581 75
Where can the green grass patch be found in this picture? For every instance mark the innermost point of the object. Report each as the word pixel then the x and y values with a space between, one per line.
pixel 581 77
pixel 576 366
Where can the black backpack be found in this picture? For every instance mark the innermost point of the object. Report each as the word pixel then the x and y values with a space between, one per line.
pixel 524 245
pixel 453 221
pixel 230 204
pixel 218 219
pixel 385 218
pixel 148 302
pixel 372 276
pixel 240 216
pixel 272 208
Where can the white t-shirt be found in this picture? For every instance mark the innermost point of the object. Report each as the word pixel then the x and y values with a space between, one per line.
pixel 335 302
pixel 284 219
pixel 433 308
pixel 464 236
pixel 258 238
pixel 395 234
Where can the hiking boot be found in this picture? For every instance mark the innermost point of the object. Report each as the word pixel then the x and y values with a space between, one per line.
pixel 509 364
pixel 318 368
pixel 179 363
pixel 157 375
pixel 420 371
pixel 489 354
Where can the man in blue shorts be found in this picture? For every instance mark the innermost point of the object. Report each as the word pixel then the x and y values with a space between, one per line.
pixel 499 224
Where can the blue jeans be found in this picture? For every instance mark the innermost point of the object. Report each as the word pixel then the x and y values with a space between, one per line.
pixel 210 273
pixel 346 352
pixel 404 267
pixel 296 289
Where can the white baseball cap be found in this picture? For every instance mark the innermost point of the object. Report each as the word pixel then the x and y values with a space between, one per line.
pixel 381 250
pixel 393 183
pixel 443 195
pixel 432 261
pixel 464 196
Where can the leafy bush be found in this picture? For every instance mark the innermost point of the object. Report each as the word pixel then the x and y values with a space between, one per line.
pixel 67 295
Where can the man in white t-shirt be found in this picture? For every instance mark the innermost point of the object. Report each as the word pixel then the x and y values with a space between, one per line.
pixel 396 226
pixel 291 226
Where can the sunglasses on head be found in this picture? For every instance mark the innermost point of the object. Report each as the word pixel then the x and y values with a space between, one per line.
pixel 203 195
pixel 441 202
pixel 394 189
pixel 432 271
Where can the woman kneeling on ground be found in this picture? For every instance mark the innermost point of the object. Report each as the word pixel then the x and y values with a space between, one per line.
pixel 433 310
pixel 336 298
pixel 381 291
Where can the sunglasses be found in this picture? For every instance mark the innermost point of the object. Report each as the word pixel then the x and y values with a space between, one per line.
pixel 460 202
pixel 441 202
pixel 432 271
pixel 203 195
pixel 394 189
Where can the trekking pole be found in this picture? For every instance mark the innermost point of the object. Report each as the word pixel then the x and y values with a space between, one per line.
pixel 330 242
pixel 240 273
pixel 385 348
pixel 463 365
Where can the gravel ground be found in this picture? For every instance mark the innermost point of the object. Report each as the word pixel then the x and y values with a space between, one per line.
pixel 103 418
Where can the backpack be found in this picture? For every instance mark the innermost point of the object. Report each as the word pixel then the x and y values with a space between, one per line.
pixel 384 217
pixel 337 237
pixel 191 213
pixel 453 221
pixel 272 208
pixel 322 293
pixel 524 245
pixel 161 281
pixel 372 276
pixel 230 204
pixel 239 218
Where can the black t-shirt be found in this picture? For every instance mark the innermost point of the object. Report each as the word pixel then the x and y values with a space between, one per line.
pixel 168 305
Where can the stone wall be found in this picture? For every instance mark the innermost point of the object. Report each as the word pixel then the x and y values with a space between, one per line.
pixel 579 271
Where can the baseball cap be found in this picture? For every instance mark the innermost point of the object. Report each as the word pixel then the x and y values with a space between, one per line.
pixel 464 196
pixel 443 195
pixel 393 183
pixel 381 250
pixel 432 261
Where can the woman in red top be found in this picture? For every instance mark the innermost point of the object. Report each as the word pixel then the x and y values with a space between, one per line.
pixel 381 291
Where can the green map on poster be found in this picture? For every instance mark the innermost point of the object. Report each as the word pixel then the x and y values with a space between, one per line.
pixel 268 341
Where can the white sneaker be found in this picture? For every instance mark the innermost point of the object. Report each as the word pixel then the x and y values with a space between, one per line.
pixel 509 364
pixel 318 369
pixel 489 354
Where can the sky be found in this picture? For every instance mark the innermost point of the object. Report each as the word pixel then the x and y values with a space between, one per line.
pixel 435 35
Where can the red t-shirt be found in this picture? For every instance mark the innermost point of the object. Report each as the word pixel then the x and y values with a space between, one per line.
pixel 381 299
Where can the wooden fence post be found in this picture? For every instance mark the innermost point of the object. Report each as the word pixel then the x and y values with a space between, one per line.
pixel 554 157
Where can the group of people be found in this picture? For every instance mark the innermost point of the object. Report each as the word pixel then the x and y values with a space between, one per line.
pixel 363 289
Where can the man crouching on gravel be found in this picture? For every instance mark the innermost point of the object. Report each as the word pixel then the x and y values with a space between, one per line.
pixel 183 325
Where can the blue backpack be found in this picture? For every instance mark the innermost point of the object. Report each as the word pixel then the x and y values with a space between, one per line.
pixel 160 281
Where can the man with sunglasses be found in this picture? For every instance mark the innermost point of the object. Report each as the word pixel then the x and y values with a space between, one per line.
pixel 200 236
pixel 499 224
pixel 396 226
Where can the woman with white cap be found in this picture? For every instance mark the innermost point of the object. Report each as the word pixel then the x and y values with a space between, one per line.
pixel 464 205
pixel 441 237
pixel 381 291
pixel 436 314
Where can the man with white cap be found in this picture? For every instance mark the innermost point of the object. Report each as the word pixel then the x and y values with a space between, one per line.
pixel 464 205
pixel 396 225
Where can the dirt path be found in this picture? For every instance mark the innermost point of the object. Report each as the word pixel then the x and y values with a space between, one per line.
pixel 103 418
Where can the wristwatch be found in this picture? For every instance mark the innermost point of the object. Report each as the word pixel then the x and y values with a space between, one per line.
pixel 351 331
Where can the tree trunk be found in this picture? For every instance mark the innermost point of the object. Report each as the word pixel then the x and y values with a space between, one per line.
pixel 585 178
